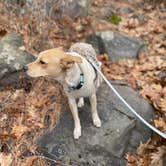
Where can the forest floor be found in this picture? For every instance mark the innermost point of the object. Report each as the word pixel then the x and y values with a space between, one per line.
pixel 26 115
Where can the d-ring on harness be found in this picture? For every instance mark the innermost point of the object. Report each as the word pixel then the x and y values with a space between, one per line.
pixel 123 100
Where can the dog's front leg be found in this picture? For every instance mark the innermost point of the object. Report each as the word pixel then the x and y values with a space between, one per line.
pixel 95 116
pixel 74 111
pixel 80 102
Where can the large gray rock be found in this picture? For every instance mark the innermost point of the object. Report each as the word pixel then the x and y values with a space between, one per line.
pixel 121 132
pixel 140 132
pixel 72 8
pixel 54 8
pixel 12 59
pixel 117 46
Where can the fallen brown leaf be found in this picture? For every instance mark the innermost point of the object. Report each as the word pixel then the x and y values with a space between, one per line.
pixel 5 160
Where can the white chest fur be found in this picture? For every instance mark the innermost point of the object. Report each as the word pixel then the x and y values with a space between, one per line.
pixel 89 75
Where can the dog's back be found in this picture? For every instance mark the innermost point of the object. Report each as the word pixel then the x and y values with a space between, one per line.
pixel 85 50
pixel 88 52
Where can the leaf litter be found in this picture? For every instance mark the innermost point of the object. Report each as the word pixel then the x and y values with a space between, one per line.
pixel 26 114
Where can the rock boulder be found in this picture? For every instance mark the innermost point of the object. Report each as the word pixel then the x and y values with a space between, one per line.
pixel 54 8
pixel 116 45
pixel 121 132
pixel 12 59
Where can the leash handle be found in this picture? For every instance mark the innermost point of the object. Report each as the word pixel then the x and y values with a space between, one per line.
pixel 125 103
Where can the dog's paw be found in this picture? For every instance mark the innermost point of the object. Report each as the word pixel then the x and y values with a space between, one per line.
pixel 80 103
pixel 77 133
pixel 96 121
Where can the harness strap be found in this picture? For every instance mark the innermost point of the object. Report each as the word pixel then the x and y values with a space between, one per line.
pixel 81 83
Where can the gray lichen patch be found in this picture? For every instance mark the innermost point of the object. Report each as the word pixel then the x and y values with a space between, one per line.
pixel 9 59
pixel 17 66
pixel 5 70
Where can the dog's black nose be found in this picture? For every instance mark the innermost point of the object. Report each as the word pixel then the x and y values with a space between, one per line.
pixel 25 68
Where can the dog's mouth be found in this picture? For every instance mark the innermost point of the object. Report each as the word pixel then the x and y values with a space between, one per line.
pixel 29 72
pixel 32 74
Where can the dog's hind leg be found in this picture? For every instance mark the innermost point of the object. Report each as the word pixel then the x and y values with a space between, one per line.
pixel 74 111
pixel 95 116
pixel 80 102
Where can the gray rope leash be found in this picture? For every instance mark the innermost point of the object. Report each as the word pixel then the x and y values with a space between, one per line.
pixel 125 103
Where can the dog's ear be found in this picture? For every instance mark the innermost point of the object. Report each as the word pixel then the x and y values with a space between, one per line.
pixel 68 61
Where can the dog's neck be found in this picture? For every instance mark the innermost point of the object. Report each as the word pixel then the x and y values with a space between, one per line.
pixel 71 77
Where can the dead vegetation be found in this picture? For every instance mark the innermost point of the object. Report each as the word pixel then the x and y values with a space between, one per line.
pixel 24 116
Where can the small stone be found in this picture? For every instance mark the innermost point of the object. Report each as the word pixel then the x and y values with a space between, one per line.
pixel 125 10
pixel 79 28
pixel 162 75
pixel 22 48
pixel 141 18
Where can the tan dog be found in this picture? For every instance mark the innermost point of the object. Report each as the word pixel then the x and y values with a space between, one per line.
pixel 76 75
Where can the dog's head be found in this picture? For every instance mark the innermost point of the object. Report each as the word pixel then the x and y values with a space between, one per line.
pixel 52 62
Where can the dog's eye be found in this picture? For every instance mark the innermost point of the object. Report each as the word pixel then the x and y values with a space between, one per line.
pixel 42 62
